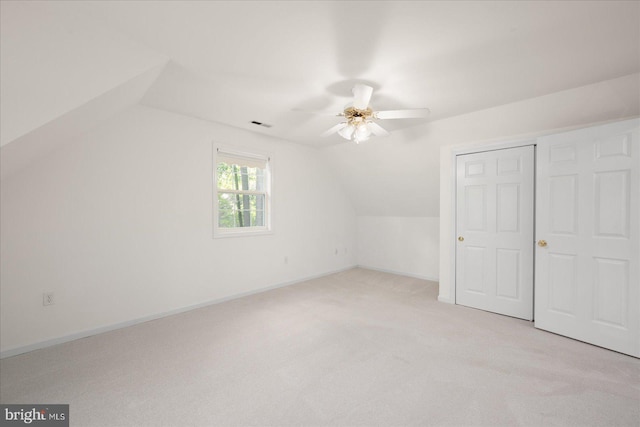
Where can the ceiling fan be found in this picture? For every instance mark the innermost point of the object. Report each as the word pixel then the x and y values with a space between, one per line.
pixel 360 118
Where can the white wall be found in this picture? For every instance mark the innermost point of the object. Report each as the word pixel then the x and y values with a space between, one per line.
pixel 118 224
pixel 404 245
pixel 610 100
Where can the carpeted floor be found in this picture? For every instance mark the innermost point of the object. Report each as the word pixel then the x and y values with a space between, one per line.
pixel 355 348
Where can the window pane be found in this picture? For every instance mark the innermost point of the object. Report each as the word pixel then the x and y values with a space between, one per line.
pixel 226 210
pixel 240 210
pixel 236 177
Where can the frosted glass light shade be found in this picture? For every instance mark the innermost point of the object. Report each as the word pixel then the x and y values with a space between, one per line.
pixel 347 131
pixel 363 132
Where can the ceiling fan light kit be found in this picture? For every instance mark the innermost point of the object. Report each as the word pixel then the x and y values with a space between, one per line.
pixel 347 131
pixel 359 125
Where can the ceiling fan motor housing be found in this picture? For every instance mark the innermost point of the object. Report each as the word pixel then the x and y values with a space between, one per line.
pixel 355 116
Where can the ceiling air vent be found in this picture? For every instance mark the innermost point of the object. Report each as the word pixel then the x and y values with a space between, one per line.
pixel 264 125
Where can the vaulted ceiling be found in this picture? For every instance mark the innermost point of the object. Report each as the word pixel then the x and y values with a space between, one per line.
pixel 66 65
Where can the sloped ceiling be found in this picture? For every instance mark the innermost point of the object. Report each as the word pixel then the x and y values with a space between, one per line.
pixel 260 60
pixel 44 139
pixel 234 62
pixel 54 60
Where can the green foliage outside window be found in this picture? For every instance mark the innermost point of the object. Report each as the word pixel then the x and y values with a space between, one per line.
pixel 235 208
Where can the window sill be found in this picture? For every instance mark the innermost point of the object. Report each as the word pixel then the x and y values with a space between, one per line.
pixel 217 234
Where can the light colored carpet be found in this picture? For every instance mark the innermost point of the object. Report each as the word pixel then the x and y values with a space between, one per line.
pixel 355 348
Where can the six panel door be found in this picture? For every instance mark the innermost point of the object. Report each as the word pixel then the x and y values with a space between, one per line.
pixel 587 282
pixel 494 224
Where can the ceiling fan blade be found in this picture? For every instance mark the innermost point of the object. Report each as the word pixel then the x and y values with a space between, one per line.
pixel 415 113
pixel 377 130
pixel 334 129
pixel 361 96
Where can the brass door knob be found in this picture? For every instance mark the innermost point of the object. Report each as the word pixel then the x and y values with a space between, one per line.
pixel 461 239
pixel 542 243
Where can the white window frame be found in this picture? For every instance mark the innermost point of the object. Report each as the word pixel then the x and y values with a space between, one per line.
pixel 221 232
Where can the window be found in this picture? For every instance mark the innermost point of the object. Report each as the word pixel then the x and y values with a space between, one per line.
pixel 242 193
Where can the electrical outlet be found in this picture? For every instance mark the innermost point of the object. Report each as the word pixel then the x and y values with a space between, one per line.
pixel 47 298
pixel 286 260
pixel 336 251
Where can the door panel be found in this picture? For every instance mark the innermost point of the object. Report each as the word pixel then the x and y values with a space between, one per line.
pixel 612 287
pixel 475 260
pixel 612 197
pixel 508 209
pixel 494 261
pixel 507 273
pixel 587 282
pixel 476 207
pixel 563 203
pixel 562 283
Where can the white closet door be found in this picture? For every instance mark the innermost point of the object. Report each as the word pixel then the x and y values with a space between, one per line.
pixel 587 282
pixel 494 223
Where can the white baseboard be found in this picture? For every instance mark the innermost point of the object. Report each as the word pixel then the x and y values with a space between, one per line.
pixel 95 331
pixel 399 273
pixel 446 299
